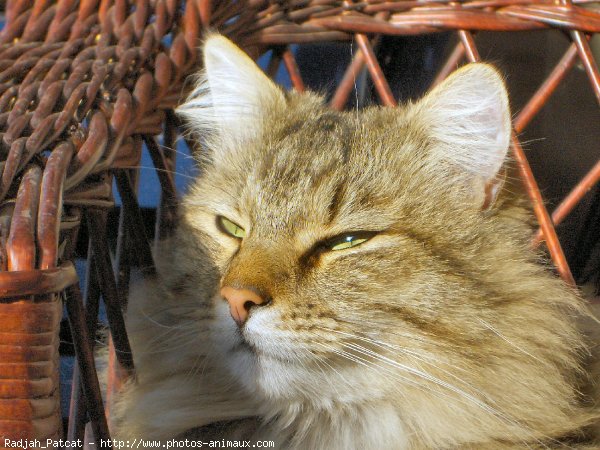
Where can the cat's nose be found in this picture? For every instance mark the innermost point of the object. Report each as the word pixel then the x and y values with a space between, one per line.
pixel 241 301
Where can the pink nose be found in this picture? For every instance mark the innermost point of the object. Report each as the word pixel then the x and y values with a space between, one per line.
pixel 240 301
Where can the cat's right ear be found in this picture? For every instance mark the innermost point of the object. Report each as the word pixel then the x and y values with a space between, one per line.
pixel 232 94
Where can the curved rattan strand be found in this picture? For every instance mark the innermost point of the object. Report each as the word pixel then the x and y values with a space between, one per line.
pixel 36 282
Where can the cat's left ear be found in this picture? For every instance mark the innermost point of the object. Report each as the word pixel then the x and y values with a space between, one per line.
pixel 232 94
pixel 468 119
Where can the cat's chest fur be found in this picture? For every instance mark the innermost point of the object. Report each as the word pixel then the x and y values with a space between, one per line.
pixel 374 425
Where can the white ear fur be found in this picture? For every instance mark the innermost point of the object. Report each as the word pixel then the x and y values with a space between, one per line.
pixel 232 93
pixel 469 119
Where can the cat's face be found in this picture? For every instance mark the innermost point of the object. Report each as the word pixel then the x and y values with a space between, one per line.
pixel 360 233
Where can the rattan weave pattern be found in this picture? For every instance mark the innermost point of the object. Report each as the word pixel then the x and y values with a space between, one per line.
pixel 77 81
pixel 83 83
pixel 309 21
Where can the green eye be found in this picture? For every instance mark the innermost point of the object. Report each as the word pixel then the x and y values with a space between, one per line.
pixel 230 227
pixel 347 241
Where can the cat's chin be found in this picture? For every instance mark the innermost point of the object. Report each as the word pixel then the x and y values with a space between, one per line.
pixel 274 380
pixel 244 346
pixel 272 377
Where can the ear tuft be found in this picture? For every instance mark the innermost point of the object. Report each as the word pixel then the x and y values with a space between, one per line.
pixel 469 119
pixel 232 94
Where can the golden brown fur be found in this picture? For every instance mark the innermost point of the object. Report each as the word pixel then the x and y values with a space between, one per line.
pixel 441 331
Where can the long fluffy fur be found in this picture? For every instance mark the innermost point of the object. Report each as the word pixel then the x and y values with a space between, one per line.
pixel 441 331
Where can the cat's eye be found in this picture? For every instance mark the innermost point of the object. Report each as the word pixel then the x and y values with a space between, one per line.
pixel 230 228
pixel 348 241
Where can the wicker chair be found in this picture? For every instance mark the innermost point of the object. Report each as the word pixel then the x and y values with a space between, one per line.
pixel 84 84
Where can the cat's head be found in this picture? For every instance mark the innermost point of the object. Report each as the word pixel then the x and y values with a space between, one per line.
pixel 351 248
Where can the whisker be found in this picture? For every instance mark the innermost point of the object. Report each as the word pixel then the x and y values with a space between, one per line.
pixel 504 338
pixel 179 152
pixel 462 395
pixel 419 356
pixel 154 321
pixel 182 341
pixel 427 376
pixel 174 307
pixel 160 170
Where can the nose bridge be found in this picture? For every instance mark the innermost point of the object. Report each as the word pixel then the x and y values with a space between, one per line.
pixel 256 267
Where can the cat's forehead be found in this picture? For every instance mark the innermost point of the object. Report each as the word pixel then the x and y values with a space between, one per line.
pixel 316 167
pixel 319 168
pixel 306 146
pixel 297 170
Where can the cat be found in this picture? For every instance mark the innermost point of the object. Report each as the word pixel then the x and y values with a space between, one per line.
pixel 348 280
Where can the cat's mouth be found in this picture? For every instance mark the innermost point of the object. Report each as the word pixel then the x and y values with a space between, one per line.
pixel 242 345
pixel 246 346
